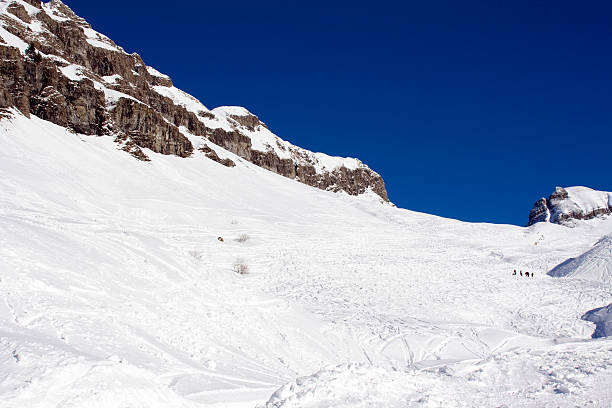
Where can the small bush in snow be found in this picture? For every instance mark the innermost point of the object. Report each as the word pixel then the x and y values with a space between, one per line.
pixel 197 255
pixel 242 238
pixel 240 267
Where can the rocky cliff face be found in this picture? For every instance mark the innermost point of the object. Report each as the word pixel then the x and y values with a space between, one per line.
pixel 55 66
pixel 566 205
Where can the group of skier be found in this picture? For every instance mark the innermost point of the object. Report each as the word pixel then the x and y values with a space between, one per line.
pixel 527 274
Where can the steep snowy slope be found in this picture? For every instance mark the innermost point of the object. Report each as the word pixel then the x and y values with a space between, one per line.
pixel 594 265
pixel 602 317
pixel 116 291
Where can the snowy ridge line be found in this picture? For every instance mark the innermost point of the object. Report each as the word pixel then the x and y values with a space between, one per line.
pixel 263 139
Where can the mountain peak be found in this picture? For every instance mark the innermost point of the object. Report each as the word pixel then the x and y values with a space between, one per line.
pixel 567 205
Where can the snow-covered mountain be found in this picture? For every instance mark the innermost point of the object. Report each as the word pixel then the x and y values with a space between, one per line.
pixel 55 66
pixel 567 205
pixel 184 282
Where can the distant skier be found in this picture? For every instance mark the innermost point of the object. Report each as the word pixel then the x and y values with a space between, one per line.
pixel 532 274
pixel 521 273
pixel 514 273
pixel 527 274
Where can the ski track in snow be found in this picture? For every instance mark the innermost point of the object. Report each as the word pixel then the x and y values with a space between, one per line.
pixel 114 291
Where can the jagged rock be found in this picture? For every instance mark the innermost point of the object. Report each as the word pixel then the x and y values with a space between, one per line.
pixel 212 155
pixel 301 166
pixel 14 91
pixel 558 196
pixel 52 96
pixel 50 105
pixel 539 212
pixel 147 128
pixel 85 107
pixel 160 81
pixel 19 11
pixel 565 206
pixel 248 121
pixel 205 115
pixel 135 151
pixel 233 141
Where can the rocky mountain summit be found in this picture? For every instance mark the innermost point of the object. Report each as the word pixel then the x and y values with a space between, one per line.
pixel 55 66
pixel 566 205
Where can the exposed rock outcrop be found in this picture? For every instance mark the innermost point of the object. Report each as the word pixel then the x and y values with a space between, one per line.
pixel 63 71
pixel 147 128
pixel 19 11
pixel 212 155
pixel 249 121
pixel 540 212
pixel 315 169
pixel 566 205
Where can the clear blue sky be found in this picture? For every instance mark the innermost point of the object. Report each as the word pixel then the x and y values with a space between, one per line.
pixel 468 109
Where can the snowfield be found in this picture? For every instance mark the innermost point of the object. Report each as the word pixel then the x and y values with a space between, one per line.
pixel 594 265
pixel 115 291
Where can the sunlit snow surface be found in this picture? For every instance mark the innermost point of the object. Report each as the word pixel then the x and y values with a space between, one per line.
pixel 582 200
pixel 116 292
pixel 594 265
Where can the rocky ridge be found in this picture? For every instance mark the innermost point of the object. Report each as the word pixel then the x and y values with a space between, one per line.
pixel 566 205
pixel 55 66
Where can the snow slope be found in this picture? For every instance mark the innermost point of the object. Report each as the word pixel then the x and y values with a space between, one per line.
pixel 602 317
pixel 594 265
pixel 115 291
pixel 555 377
